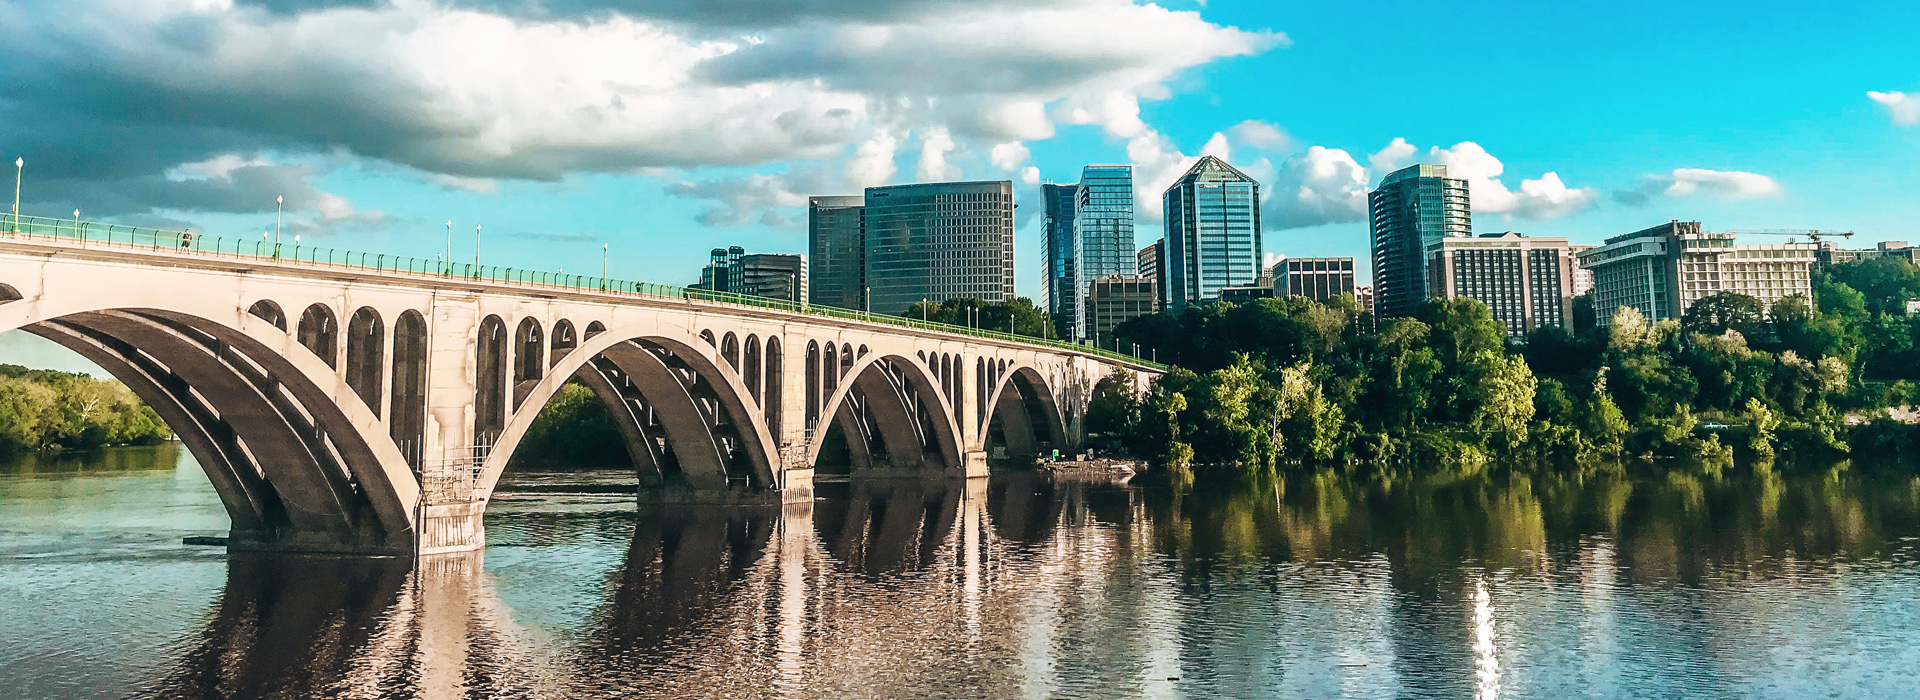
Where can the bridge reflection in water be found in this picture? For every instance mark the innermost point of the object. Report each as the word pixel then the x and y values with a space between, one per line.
pixel 801 600
pixel 1507 585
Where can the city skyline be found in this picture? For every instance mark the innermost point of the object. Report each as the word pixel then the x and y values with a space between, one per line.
pixel 375 148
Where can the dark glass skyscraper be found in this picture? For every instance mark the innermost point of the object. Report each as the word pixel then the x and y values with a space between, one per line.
pixel 1102 233
pixel 836 252
pixel 938 241
pixel 1411 210
pixel 1213 232
pixel 1150 259
pixel 1058 289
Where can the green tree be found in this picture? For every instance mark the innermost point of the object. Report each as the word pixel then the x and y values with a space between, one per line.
pixel 1504 395
pixel 1726 311
pixel 1113 408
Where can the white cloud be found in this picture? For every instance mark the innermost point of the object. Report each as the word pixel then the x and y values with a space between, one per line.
pixel 490 89
pixel 481 185
pixel 1319 186
pixel 1904 108
pixel 1030 175
pixel 1260 136
pixel 1721 184
pixel 1009 156
pixel 1548 198
pixel 1544 198
pixel 935 144
pixel 872 162
pixel 1396 155
pixel 219 167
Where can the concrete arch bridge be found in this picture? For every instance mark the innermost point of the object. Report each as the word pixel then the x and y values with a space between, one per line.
pixel 361 403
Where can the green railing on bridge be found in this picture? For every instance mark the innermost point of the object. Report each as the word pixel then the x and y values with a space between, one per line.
pixel 188 242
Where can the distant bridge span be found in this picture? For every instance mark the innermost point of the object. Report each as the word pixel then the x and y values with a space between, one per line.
pixel 360 403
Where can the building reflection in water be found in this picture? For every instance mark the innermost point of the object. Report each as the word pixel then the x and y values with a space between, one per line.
pixel 1028 587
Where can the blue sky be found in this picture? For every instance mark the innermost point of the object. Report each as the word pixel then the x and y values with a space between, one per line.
pixel 565 124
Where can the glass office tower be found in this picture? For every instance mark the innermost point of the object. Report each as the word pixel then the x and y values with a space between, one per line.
pixel 1411 210
pixel 1057 290
pixel 1102 233
pixel 938 241
pixel 836 252
pixel 1213 232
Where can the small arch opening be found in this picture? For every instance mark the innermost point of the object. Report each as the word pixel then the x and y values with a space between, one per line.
pixel 563 341
pixel 529 351
pixel 366 364
pixel 319 333
pixel 268 311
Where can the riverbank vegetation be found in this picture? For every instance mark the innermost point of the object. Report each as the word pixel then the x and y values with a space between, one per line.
pixel 1288 381
pixel 43 410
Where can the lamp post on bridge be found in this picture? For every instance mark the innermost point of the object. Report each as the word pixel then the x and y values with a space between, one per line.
pixel 19 167
pixel 76 226
pixel 603 266
pixel 476 250
pixel 447 259
pixel 279 203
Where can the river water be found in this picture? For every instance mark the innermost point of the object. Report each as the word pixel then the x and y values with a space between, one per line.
pixel 1497 585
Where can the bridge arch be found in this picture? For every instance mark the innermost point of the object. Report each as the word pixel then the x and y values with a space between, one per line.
pixel 296 463
pixel 887 393
pixel 666 371
pixel 1031 388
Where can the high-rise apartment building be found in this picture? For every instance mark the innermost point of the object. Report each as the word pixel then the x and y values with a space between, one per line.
pixel 836 252
pixel 1213 232
pixel 1582 277
pixel 719 273
pixel 1112 300
pixel 1526 282
pixel 1363 295
pixel 1102 231
pixel 1411 210
pixel 938 241
pixel 1664 269
pixel 1060 285
pixel 1314 278
pixel 1149 259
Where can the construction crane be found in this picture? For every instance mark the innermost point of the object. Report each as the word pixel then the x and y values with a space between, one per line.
pixel 1812 234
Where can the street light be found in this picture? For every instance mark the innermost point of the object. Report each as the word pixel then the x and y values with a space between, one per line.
pixel 476 250
pixel 448 258
pixel 603 266
pixel 76 224
pixel 19 166
pixel 279 202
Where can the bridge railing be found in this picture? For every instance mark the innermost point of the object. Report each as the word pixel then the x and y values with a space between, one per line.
pixel 91 233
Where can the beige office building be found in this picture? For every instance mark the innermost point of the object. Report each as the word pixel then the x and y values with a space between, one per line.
pixel 1665 269
pixel 1526 282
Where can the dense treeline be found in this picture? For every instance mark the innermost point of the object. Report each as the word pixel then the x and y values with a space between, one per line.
pixel 1292 380
pixel 45 409
pixel 1026 319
